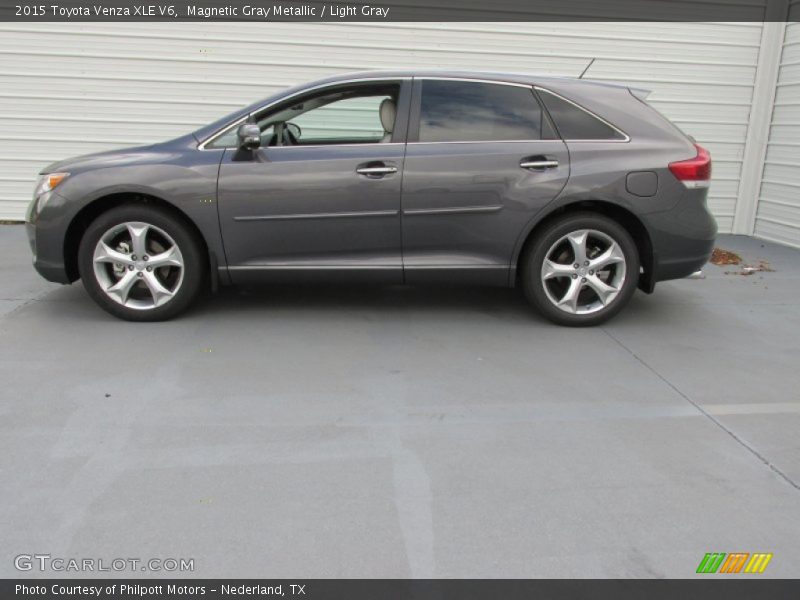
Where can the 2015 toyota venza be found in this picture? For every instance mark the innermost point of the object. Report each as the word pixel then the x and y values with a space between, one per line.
pixel 578 192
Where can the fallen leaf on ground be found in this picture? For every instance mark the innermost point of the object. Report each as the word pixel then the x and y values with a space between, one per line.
pixel 725 257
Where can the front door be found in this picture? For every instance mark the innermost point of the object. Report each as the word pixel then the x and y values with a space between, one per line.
pixel 323 191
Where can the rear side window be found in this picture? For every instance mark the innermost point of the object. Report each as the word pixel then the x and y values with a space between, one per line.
pixel 469 111
pixel 575 123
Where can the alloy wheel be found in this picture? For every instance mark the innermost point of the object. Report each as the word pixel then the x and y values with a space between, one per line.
pixel 138 265
pixel 583 271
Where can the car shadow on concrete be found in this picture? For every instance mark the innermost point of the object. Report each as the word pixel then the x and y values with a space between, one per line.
pixel 297 300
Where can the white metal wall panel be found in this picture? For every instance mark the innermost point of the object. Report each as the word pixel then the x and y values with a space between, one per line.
pixel 68 89
pixel 778 213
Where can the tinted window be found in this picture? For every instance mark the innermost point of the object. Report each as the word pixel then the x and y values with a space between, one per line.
pixel 465 111
pixel 574 123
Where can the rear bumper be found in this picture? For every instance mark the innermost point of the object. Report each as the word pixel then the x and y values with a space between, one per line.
pixel 683 238
pixel 677 268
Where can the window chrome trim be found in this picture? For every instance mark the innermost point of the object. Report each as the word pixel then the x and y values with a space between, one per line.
pixel 626 139
pixel 559 140
pixel 357 145
pixel 226 128
pixel 473 80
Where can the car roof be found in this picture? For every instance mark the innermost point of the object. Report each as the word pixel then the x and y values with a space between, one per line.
pixel 506 76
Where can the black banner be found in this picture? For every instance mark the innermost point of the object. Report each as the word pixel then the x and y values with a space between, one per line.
pixel 731 588
pixel 394 10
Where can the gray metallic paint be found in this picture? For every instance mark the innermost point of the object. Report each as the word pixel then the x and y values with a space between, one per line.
pixel 308 206
pixel 173 171
pixel 439 177
pixel 453 211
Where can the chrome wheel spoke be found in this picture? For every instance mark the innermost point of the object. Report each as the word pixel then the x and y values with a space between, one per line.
pixel 138 233
pixel 552 269
pixel 612 255
pixel 577 240
pixel 605 292
pixel 169 258
pixel 570 298
pixel 585 285
pixel 122 288
pixel 159 293
pixel 122 259
pixel 106 254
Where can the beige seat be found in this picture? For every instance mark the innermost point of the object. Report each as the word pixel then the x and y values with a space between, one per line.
pixel 388 113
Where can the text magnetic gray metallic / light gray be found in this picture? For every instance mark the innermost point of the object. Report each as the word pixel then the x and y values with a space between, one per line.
pixel 578 191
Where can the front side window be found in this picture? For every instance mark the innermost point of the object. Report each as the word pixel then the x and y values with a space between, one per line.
pixel 359 114
pixel 351 119
pixel 470 111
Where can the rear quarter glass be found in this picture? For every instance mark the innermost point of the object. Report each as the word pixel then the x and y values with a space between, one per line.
pixel 576 123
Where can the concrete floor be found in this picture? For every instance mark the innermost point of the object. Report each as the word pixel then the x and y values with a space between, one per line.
pixel 398 432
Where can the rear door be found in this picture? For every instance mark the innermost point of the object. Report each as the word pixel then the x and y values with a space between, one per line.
pixel 482 159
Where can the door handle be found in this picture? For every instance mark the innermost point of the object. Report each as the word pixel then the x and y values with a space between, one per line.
pixel 376 169
pixel 538 163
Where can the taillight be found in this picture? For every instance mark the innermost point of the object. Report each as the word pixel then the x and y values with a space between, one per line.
pixel 694 172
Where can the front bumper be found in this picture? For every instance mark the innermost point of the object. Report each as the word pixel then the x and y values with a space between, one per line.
pixel 47 262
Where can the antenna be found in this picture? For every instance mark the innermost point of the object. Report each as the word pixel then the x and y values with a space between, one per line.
pixel 591 62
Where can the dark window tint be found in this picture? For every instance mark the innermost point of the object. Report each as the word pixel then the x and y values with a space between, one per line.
pixel 466 111
pixel 574 123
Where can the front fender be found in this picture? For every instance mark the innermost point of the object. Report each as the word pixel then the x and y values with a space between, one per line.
pixel 187 185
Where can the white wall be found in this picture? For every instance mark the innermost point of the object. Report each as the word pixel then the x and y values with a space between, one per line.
pixel 778 213
pixel 68 88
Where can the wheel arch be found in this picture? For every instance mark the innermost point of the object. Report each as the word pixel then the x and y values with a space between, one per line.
pixel 632 224
pixel 86 215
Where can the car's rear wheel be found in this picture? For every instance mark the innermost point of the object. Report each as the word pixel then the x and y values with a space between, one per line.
pixel 141 263
pixel 581 269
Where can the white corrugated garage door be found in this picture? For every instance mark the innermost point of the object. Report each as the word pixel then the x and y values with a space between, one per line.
pixel 68 89
pixel 778 214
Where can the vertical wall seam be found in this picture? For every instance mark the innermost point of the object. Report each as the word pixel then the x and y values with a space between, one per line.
pixel 760 119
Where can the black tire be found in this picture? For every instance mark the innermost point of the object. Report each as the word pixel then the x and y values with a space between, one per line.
pixel 533 260
pixel 194 271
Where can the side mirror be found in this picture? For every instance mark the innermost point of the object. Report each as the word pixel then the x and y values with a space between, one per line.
pixel 249 136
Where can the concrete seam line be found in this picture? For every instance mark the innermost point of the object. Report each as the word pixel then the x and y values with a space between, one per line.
pixel 706 414
pixel 16 309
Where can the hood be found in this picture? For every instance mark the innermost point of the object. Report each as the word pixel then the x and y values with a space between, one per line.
pixel 124 156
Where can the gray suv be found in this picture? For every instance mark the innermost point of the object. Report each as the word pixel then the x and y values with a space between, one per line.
pixel 578 192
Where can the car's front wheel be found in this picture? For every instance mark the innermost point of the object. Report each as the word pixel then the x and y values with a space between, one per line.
pixel 581 269
pixel 141 263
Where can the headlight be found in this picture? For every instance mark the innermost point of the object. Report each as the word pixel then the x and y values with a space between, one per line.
pixel 49 182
